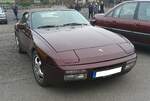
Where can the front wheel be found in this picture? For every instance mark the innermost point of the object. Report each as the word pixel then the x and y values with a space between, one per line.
pixel 6 22
pixel 39 75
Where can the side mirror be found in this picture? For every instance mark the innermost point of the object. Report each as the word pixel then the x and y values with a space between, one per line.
pixel 93 22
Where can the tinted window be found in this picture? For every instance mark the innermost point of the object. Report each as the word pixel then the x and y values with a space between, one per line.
pixel 144 11
pixel 128 11
pixel 56 18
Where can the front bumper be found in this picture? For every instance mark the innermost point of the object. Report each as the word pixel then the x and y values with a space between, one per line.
pixel 103 72
pixel 88 71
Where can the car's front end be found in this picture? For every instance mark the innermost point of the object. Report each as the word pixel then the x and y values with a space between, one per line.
pixel 91 71
pixel 96 58
pixel 100 70
pixel 3 17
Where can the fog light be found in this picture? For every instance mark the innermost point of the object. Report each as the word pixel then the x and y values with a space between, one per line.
pixel 129 65
pixel 75 77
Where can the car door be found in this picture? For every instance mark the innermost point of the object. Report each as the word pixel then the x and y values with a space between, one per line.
pixel 25 31
pixel 143 24
pixel 126 21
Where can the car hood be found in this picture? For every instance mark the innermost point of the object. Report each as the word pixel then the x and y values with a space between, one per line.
pixel 75 38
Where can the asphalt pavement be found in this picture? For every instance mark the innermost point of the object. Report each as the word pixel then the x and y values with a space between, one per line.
pixel 17 82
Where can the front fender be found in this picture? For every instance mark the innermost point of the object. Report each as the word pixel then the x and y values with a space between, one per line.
pixel 44 50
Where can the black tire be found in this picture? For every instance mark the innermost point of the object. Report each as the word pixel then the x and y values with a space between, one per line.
pixel 39 75
pixel 6 22
pixel 19 46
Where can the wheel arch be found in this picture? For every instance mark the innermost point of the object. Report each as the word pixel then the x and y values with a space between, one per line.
pixel 44 57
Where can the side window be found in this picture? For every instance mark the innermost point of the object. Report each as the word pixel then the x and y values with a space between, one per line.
pixel 128 11
pixel 117 12
pixel 144 11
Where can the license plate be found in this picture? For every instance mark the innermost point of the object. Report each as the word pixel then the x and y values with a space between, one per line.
pixel 107 72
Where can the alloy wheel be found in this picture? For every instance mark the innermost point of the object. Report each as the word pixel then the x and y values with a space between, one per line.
pixel 37 69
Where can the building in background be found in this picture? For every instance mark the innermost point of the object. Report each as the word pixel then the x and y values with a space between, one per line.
pixel 6 1
pixel 23 1
pixel 42 3
pixel 80 1
pixel 37 1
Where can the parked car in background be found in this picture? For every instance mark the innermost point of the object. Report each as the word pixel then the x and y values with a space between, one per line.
pixel 3 16
pixel 65 47
pixel 130 18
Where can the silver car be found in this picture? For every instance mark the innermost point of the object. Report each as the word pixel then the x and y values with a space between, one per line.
pixel 3 17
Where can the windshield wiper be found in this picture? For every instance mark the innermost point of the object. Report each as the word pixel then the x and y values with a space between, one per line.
pixel 48 26
pixel 74 24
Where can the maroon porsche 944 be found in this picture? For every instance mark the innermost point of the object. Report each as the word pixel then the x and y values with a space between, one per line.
pixel 64 46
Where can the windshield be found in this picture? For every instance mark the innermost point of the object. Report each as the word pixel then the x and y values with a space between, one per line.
pixel 46 19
